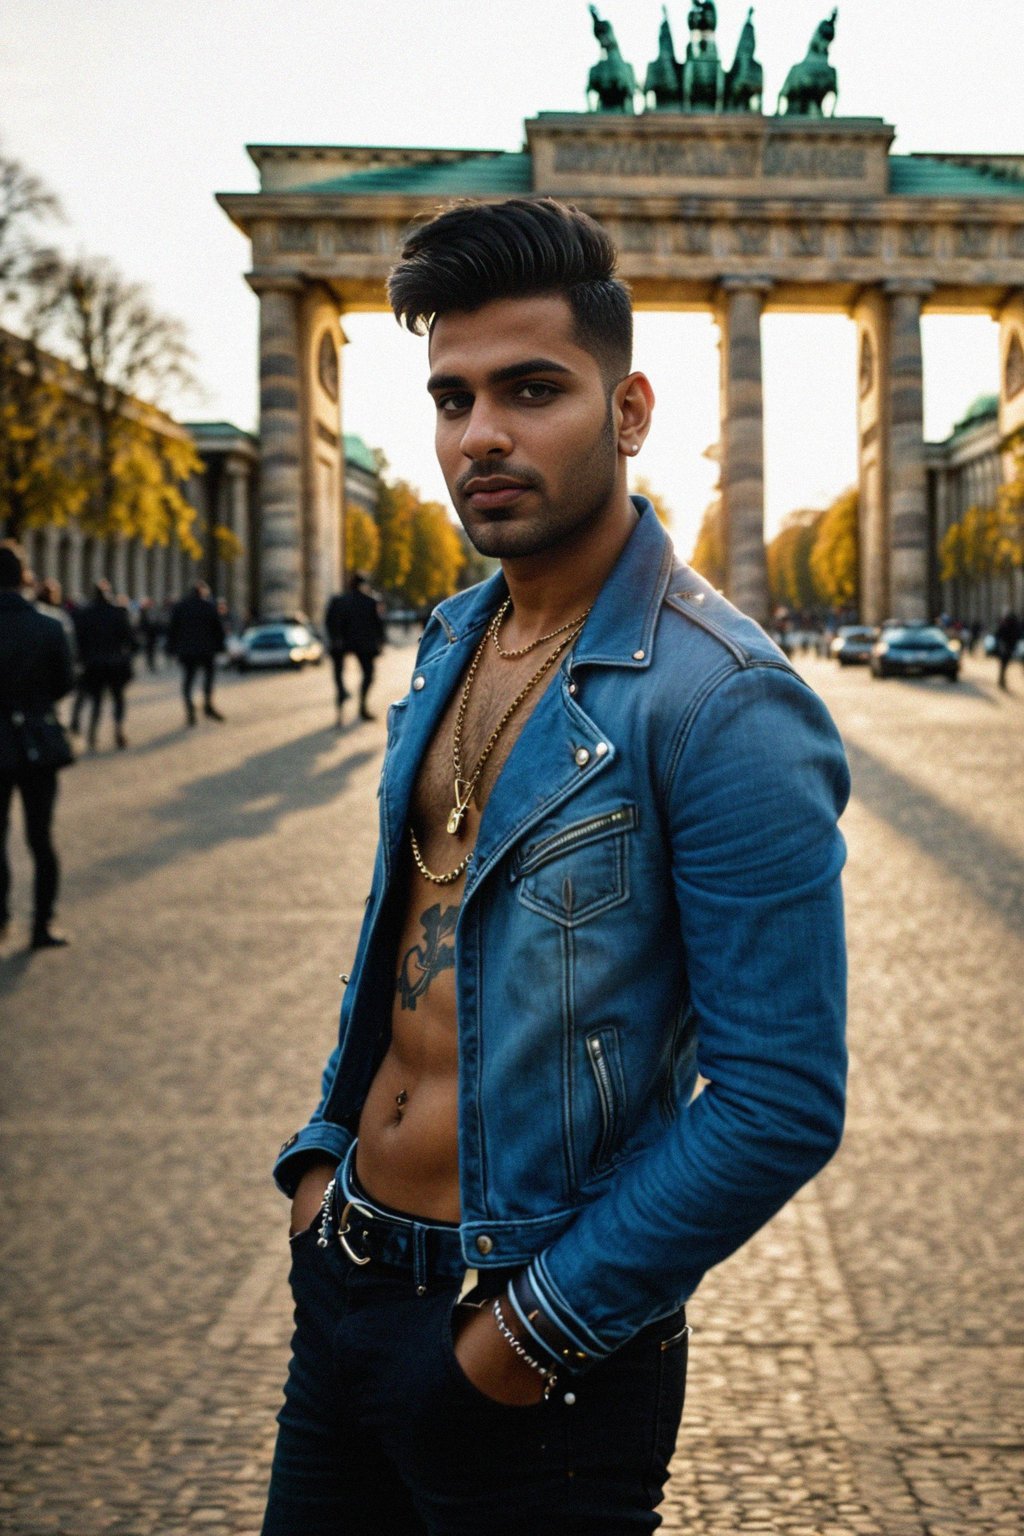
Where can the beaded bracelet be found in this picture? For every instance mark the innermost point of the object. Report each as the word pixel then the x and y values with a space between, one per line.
pixel 550 1377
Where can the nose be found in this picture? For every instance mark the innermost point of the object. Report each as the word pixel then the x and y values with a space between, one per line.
pixel 486 435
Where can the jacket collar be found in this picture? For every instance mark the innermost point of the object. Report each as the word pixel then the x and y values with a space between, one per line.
pixel 620 629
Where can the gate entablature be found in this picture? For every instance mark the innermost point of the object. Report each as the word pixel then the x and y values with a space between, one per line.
pixel 736 213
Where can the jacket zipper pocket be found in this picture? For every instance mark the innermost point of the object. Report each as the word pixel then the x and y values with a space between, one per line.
pixel 582 832
pixel 606 1097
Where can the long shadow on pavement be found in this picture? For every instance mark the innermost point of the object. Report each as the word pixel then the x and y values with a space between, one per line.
pixel 988 867
pixel 245 801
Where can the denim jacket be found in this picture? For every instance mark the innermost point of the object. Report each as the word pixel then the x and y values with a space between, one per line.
pixel 650 965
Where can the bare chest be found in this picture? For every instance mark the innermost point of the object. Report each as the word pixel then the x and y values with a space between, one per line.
pixel 472 742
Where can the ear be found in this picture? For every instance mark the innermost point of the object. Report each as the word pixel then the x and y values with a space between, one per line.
pixel 633 403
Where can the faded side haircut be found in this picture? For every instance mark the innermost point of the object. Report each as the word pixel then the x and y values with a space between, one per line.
pixel 472 253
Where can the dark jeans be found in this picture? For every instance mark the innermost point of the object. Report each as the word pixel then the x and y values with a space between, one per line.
pixel 382 1434
pixel 38 789
pixel 190 668
pixel 367 660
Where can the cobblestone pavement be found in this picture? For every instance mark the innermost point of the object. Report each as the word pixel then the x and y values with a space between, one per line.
pixel 857 1370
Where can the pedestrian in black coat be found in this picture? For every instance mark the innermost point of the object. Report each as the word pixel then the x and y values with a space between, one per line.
pixel 354 621
pixel 35 671
pixel 105 646
pixel 1008 634
pixel 196 636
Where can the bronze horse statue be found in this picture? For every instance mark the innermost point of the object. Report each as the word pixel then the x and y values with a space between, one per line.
pixel 665 75
pixel 703 76
pixel 611 80
pixel 809 82
pixel 744 83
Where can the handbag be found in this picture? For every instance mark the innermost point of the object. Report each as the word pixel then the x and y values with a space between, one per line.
pixel 33 741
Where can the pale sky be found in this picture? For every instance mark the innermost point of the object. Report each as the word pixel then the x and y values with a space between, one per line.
pixel 137 111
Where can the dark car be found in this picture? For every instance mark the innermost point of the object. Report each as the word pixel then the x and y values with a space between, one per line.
pixel 853 645
pixel 915 650
pixel 275 645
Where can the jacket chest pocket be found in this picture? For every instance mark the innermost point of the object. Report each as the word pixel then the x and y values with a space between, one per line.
pixel 579 871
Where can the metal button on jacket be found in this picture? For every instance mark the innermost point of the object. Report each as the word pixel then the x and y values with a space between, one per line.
pixel 484 1244
pixel 419 682
pixel 582 757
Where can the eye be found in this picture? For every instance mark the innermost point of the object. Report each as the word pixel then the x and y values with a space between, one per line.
pixel 452 404
pixel 536 391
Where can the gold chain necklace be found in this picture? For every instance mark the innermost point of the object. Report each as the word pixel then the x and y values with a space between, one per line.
pixel 465 788
pixel 524 650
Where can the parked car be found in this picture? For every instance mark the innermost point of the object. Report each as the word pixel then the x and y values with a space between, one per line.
pixel 853 645
pixel 915 650
pixel 275 645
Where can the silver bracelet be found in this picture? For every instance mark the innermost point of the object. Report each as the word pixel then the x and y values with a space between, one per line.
pixel 550 1377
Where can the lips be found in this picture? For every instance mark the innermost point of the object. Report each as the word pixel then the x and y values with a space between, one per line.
pixel 486 492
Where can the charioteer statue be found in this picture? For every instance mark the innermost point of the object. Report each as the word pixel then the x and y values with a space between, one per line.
pixel 699 83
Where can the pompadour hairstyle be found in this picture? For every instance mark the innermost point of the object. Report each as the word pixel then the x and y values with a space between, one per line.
pixel 472 253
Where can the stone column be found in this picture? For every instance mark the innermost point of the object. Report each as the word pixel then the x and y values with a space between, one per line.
pixel 739 319
pixel 238 521
pixel 871 316
pixel 908 499
pixel 76 575
pixel 281 489
pixel 1011 367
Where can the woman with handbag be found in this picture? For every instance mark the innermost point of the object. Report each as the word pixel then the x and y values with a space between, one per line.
pixel 35 671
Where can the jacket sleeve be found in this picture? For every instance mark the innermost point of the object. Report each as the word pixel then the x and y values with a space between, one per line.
pixel 754 789
pixel 318 1135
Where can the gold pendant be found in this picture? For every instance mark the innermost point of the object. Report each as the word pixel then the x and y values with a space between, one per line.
pixel 463 795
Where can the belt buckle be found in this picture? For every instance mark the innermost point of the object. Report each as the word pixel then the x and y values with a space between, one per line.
pixel 344 1228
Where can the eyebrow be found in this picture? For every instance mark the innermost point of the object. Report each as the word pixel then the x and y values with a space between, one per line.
pixel 524 370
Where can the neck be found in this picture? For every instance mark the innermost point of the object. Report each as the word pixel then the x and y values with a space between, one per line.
pixel 550 588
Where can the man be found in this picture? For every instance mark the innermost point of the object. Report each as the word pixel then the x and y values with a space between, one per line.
pixel 35 671
pixel 1008 633
pixel 196 636
pixel 608 862
pixel 105 646
pixel 354 623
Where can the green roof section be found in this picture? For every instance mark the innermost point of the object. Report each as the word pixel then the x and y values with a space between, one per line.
pixel 923 176
pixel 489 175
pixel 217 429
pixel 359 455
pixel 984 408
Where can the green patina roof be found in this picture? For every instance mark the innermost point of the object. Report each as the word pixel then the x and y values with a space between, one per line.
pixel 216 429
pixel 984 408
pixel 507 174
pixel 358 454
pixel 497 174
pixel 921 176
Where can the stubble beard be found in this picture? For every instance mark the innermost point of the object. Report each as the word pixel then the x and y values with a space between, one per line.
pixel 590 480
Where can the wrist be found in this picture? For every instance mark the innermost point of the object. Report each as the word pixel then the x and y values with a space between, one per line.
pixel 507 1322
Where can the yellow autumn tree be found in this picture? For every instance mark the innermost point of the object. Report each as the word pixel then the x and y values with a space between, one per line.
pixel 437 556
pixel 398 502
pixel 362 539
pixel 662 510
pixel 834 560
pixel 126 359
pixel 709 552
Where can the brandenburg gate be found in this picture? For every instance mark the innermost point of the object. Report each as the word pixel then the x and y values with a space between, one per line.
pixel 713 206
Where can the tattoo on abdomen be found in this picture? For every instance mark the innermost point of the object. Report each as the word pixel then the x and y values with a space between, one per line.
pixel 423 962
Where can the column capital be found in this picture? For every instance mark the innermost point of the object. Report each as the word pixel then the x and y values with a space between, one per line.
pixel 752 284
pixel 270 280
pixel 908 287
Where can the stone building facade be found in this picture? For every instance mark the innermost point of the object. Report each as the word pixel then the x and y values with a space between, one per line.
pixel 964 471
